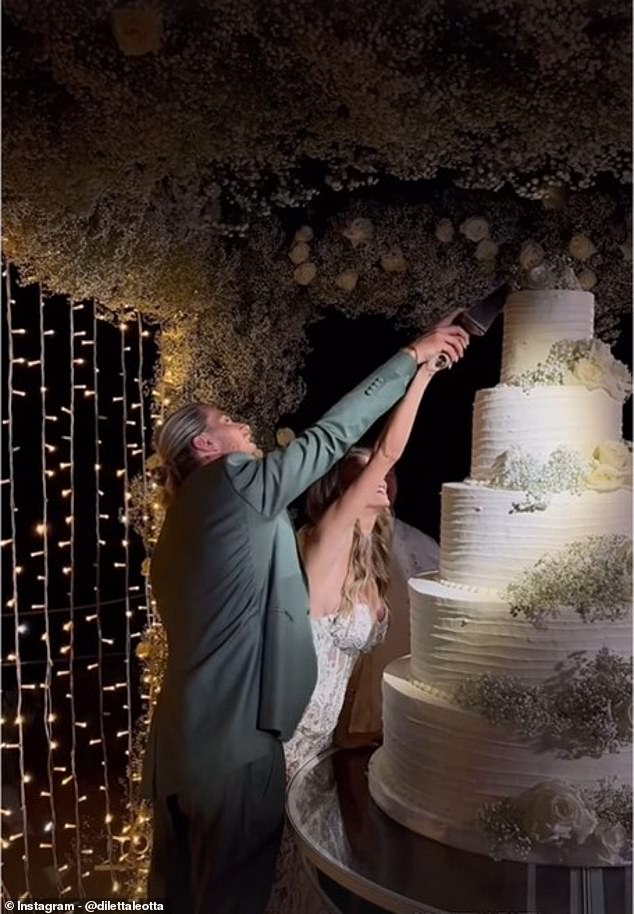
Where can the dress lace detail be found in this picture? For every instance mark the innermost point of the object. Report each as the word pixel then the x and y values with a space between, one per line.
pixel 339 639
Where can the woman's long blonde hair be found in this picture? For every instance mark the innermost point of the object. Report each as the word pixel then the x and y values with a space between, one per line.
pixel 368 574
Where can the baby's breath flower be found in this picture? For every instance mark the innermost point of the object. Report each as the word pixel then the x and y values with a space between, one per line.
pixel 579 711
pixel 579 362
pixel 591 576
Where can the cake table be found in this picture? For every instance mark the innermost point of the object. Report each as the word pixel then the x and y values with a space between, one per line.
pixel 365 863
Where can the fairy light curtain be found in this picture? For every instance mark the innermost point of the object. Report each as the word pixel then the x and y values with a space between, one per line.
pixel 76 425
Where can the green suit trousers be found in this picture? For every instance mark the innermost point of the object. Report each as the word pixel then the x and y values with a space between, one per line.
pixel 222 864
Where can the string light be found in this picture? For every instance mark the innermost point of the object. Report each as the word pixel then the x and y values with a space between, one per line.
pixel 14 583
pixel 97 616
pixel 71 598
pixel 124 473
pixel 141 335
pixel 50 557
pixel 48 713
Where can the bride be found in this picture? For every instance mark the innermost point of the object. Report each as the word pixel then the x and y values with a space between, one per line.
pixel 345 548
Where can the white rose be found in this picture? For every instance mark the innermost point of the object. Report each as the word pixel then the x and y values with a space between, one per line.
pixel 475 228
pixel 617 378
pixel 137 30
pixel 359 231
pixel 305 233
pixel 284 436
pixel 541 277
pixel 486 250
pixel 554 811
pixel 600 352
pixel 587 280
pixel 588 372
pixel 614 454
pixel 604 478
pixel 554 197
pixel 611 840
pixel 394 262
pixel 445 231
pixel 531 255
pixel 581 247
pixel 299 253
pixel 347 280
pixel 305 273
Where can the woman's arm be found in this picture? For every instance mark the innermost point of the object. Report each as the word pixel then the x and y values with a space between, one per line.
pixel 395 435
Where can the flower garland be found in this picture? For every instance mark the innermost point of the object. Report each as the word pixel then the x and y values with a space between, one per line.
pixel 565 470
pixel 591 576
pixel 584 709
pixel 586 363
pixel 561 817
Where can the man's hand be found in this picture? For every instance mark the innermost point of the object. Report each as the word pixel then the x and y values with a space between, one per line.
pixel 452 340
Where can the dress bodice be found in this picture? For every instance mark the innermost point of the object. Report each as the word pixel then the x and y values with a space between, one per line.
pixel 339 639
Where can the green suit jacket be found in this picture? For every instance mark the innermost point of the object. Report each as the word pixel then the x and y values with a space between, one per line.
pixel 233 598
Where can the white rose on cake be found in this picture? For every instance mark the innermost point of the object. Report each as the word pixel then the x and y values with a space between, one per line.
pixel 588 372
pixel 604 478
pixel 617 380
pixel 614 454
pixel 611 840
pixel 553 812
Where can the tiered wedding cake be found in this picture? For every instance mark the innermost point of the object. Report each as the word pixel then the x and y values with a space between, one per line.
pixel 508 730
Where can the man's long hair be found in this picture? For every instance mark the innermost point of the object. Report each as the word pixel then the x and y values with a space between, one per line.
pixel 367 577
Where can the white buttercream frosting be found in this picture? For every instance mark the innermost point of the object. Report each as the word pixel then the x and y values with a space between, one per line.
pixel 533 321
pixel 485 543
pixel 440 764
pixel 539 421
pixel 457 635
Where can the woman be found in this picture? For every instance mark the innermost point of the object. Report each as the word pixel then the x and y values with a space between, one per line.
pixel 345 549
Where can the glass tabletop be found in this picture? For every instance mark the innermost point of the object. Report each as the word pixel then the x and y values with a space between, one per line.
pixel 350 840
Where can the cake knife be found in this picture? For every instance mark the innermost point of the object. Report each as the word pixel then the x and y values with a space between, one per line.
pixel 477 318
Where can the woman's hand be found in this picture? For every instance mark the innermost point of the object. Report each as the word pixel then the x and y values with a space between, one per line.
pixel 451 340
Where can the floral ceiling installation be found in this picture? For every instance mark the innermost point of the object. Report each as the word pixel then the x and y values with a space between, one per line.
pixel 162 157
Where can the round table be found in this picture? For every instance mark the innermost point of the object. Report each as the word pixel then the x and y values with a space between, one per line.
pixel 365 863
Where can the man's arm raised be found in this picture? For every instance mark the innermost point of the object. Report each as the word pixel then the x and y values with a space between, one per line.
pixel 273 482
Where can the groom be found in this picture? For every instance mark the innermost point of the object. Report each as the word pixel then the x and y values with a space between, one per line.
pixel 241 666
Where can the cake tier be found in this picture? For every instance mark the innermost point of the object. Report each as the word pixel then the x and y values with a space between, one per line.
pixel 457 635
pixel 540 420
pixel 484 543
pixel 533 321
pixel 439 764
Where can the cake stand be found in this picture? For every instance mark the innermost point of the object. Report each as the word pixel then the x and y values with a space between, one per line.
pixel 364 863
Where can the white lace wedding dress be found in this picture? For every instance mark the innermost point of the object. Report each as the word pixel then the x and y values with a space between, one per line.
pixel 339 639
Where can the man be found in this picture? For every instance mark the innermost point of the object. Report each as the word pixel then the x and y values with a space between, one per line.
pixel 241 666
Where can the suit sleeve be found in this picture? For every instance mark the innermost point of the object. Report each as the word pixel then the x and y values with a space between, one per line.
pixel 270 484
